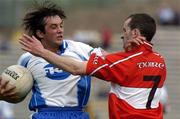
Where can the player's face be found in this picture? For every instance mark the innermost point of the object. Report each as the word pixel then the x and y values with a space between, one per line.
pixel 127 33
pixel 54 30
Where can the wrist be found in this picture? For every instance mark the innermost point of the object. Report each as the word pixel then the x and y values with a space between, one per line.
pixel 43 53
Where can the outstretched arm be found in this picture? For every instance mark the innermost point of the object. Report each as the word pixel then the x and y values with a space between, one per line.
pixel 34 46
pixel 66 63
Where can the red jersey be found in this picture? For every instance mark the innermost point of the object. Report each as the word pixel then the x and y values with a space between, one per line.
pixel 136 80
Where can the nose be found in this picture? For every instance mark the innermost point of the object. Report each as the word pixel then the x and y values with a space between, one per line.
pixel 60 29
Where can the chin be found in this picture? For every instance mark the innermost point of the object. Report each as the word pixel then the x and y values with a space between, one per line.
pixel 59 41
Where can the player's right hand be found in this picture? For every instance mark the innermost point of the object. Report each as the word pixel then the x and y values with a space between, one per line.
pixel 7 90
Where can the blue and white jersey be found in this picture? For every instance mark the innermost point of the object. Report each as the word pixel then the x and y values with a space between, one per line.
pixel 55 87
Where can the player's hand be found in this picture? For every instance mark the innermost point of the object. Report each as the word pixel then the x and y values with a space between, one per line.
pixel 104 53
pixel 31 44
pixel 7 90
pixel 136 41
pixel 131 43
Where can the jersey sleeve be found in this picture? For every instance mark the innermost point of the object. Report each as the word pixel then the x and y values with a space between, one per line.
pixel 101 67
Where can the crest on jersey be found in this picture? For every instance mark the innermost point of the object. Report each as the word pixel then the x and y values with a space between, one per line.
pixel 54 73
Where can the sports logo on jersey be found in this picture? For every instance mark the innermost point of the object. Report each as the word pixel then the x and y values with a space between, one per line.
pixel 97 58
pixel 150 65
pixel 95 61
pixel 55 73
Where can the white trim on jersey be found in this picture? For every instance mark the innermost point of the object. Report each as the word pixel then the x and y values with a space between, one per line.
pixel 122 60
pixel 136 97
pixel 99 68
pixel 127 58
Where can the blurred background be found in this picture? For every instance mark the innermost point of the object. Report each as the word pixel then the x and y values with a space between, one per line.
pixel 99 23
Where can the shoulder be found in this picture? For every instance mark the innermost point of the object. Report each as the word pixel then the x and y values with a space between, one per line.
pixel 76 44
pixel 119 55
pixel 29 60
pixel 123 56
pixel 25 55
pixel 24 59
pixel 158 57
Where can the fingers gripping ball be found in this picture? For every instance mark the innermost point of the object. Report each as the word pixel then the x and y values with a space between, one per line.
pixel 21 78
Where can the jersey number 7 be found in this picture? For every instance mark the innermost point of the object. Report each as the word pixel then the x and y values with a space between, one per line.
pixel 156 80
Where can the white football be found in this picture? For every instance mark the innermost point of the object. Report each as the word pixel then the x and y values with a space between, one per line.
pixel 20 77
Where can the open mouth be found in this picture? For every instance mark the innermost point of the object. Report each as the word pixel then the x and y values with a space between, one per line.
pixel 122 37
pixel 60 36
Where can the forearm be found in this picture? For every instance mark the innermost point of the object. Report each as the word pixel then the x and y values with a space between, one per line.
pixel 66 63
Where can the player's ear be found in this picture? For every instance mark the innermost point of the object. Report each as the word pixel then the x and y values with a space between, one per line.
pixel 40 34
pixel 136 33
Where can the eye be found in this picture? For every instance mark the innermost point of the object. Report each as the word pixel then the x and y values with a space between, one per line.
pixel 53 26
pixel 61 25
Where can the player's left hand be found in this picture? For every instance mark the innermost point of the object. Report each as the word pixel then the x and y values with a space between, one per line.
pixel 131 43
pixel 137 40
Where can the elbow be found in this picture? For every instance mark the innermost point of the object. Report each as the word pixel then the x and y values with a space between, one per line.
pixel 76 68
pixel 77 71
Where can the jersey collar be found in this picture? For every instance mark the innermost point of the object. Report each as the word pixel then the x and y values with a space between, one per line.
pixel 62 47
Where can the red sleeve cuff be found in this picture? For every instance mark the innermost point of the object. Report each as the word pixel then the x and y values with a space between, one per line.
pixel 89 67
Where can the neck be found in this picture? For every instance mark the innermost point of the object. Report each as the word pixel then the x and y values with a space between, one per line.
pixel 50 48
pixel 130 47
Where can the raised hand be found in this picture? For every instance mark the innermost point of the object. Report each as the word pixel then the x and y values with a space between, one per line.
pixel 134 42
pixel 31 44
pixel 137 41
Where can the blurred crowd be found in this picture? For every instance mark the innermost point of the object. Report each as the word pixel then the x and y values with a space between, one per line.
pixel 168 16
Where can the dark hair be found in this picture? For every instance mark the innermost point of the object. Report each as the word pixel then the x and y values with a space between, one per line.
pixel 34 20
pixel 145 23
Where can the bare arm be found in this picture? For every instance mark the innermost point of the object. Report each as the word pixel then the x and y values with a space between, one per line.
pixel 66 63
pixel 32 45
